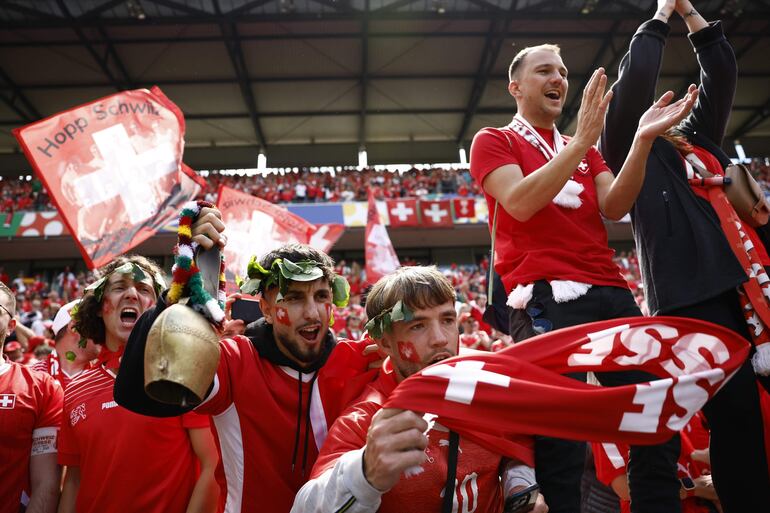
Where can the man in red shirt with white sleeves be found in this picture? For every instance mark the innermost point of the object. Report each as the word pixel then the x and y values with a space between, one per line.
pixel 550 242
pixel 30 412
pixel 392 461
pixel 276 391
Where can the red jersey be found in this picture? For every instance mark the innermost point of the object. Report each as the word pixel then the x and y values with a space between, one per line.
pixel 52 366
pixel 556 243
pixel 611 459
pixel 478 485
pixel 29 401
pixel 262 438
pixel 128 462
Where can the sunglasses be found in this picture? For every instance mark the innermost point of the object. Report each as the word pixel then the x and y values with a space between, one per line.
pixel 8 311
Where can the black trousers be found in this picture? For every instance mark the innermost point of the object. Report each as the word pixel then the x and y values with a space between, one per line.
pixel 738 457
pixel 559 463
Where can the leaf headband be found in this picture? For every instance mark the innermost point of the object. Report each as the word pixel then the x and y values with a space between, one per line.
pixel 137 273
pixel 382 322
pixel 282 271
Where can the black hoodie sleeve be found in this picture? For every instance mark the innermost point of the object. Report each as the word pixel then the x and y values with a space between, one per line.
pixel 129 385
pixel 634 91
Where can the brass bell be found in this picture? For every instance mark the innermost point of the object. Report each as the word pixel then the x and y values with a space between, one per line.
pixel 181 357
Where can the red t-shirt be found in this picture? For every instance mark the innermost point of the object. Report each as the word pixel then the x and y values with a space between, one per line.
pixel 556 243
pixel 712 164
pixel 128 462
pixel 610 460
pixel 254 404
pixel 478 485
pixel 28 401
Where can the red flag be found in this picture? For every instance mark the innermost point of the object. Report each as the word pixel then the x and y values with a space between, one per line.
pixel 402 212
pixel 436 213
pixel 464 207
pixel 520 390
pixel 254 227
pixel 381 258
pixel 114 169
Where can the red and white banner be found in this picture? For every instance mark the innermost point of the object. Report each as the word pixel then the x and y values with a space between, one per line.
pixel 464 207
pixel 520 390
pixel 402 212
pixel 114 169
pixel 254 226
pixel 436 213
pixel 381 258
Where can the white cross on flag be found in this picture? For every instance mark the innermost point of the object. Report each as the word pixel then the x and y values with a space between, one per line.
pixel 7 401
pixel 436 213
pixel 114 169
pixel 402 212
pixel 255 226
pixel 464 207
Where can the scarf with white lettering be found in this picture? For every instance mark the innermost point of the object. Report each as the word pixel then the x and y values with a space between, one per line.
pixel 754 293
pixel 569 196
pixel 521 390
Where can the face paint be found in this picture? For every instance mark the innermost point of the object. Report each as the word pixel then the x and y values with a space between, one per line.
pixel 282 316
pixel 407 352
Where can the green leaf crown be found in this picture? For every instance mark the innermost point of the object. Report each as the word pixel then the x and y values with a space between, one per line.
pixel 282 271
pixel 383 322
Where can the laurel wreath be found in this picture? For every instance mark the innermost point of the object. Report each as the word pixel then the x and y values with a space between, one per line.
pixel 383 322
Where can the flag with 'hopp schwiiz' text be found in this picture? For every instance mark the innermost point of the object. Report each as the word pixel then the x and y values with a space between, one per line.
pixel 113 168
pixel 521 391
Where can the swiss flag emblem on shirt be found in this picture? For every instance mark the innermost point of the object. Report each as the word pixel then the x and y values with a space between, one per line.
pixel 436 213
pixel 464 207
pixel 583 167
pixel 7 401
pixel 402 212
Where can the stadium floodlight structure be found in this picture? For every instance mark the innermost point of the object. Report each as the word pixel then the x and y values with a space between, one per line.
pixel 362 158
pixel 463 156
pixel 261 161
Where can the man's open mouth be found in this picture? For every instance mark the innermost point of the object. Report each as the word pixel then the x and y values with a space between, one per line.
pixel 129 315
pixel 310 333
pixel 553 95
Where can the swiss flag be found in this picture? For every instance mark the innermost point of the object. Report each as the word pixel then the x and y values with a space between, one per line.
pixel 402 212
pixel 521 390
pixel 255 226
pixel 113 168
pixel 436 213
pixel 381 258
pixel 464 207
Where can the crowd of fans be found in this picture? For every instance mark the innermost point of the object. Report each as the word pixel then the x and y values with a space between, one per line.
pixel 300 186
pixel 41 295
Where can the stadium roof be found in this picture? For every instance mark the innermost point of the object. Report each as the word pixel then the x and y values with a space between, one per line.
pixel 312 81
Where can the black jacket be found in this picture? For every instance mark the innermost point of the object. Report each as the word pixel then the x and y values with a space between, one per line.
pixel 683 253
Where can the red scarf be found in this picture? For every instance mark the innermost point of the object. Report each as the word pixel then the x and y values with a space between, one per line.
pixel 520 390
pixel 755 291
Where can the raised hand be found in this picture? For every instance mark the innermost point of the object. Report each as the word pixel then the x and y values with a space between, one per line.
pixel 593 107
pixel 663 114
pixel 207 229
pixel 665 9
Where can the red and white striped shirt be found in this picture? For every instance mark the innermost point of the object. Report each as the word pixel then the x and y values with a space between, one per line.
pixel 128 462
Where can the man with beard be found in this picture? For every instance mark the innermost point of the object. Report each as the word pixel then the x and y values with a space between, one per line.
pixel 276 391
pixel 30 412
pixel 118 461
pixel 413 320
